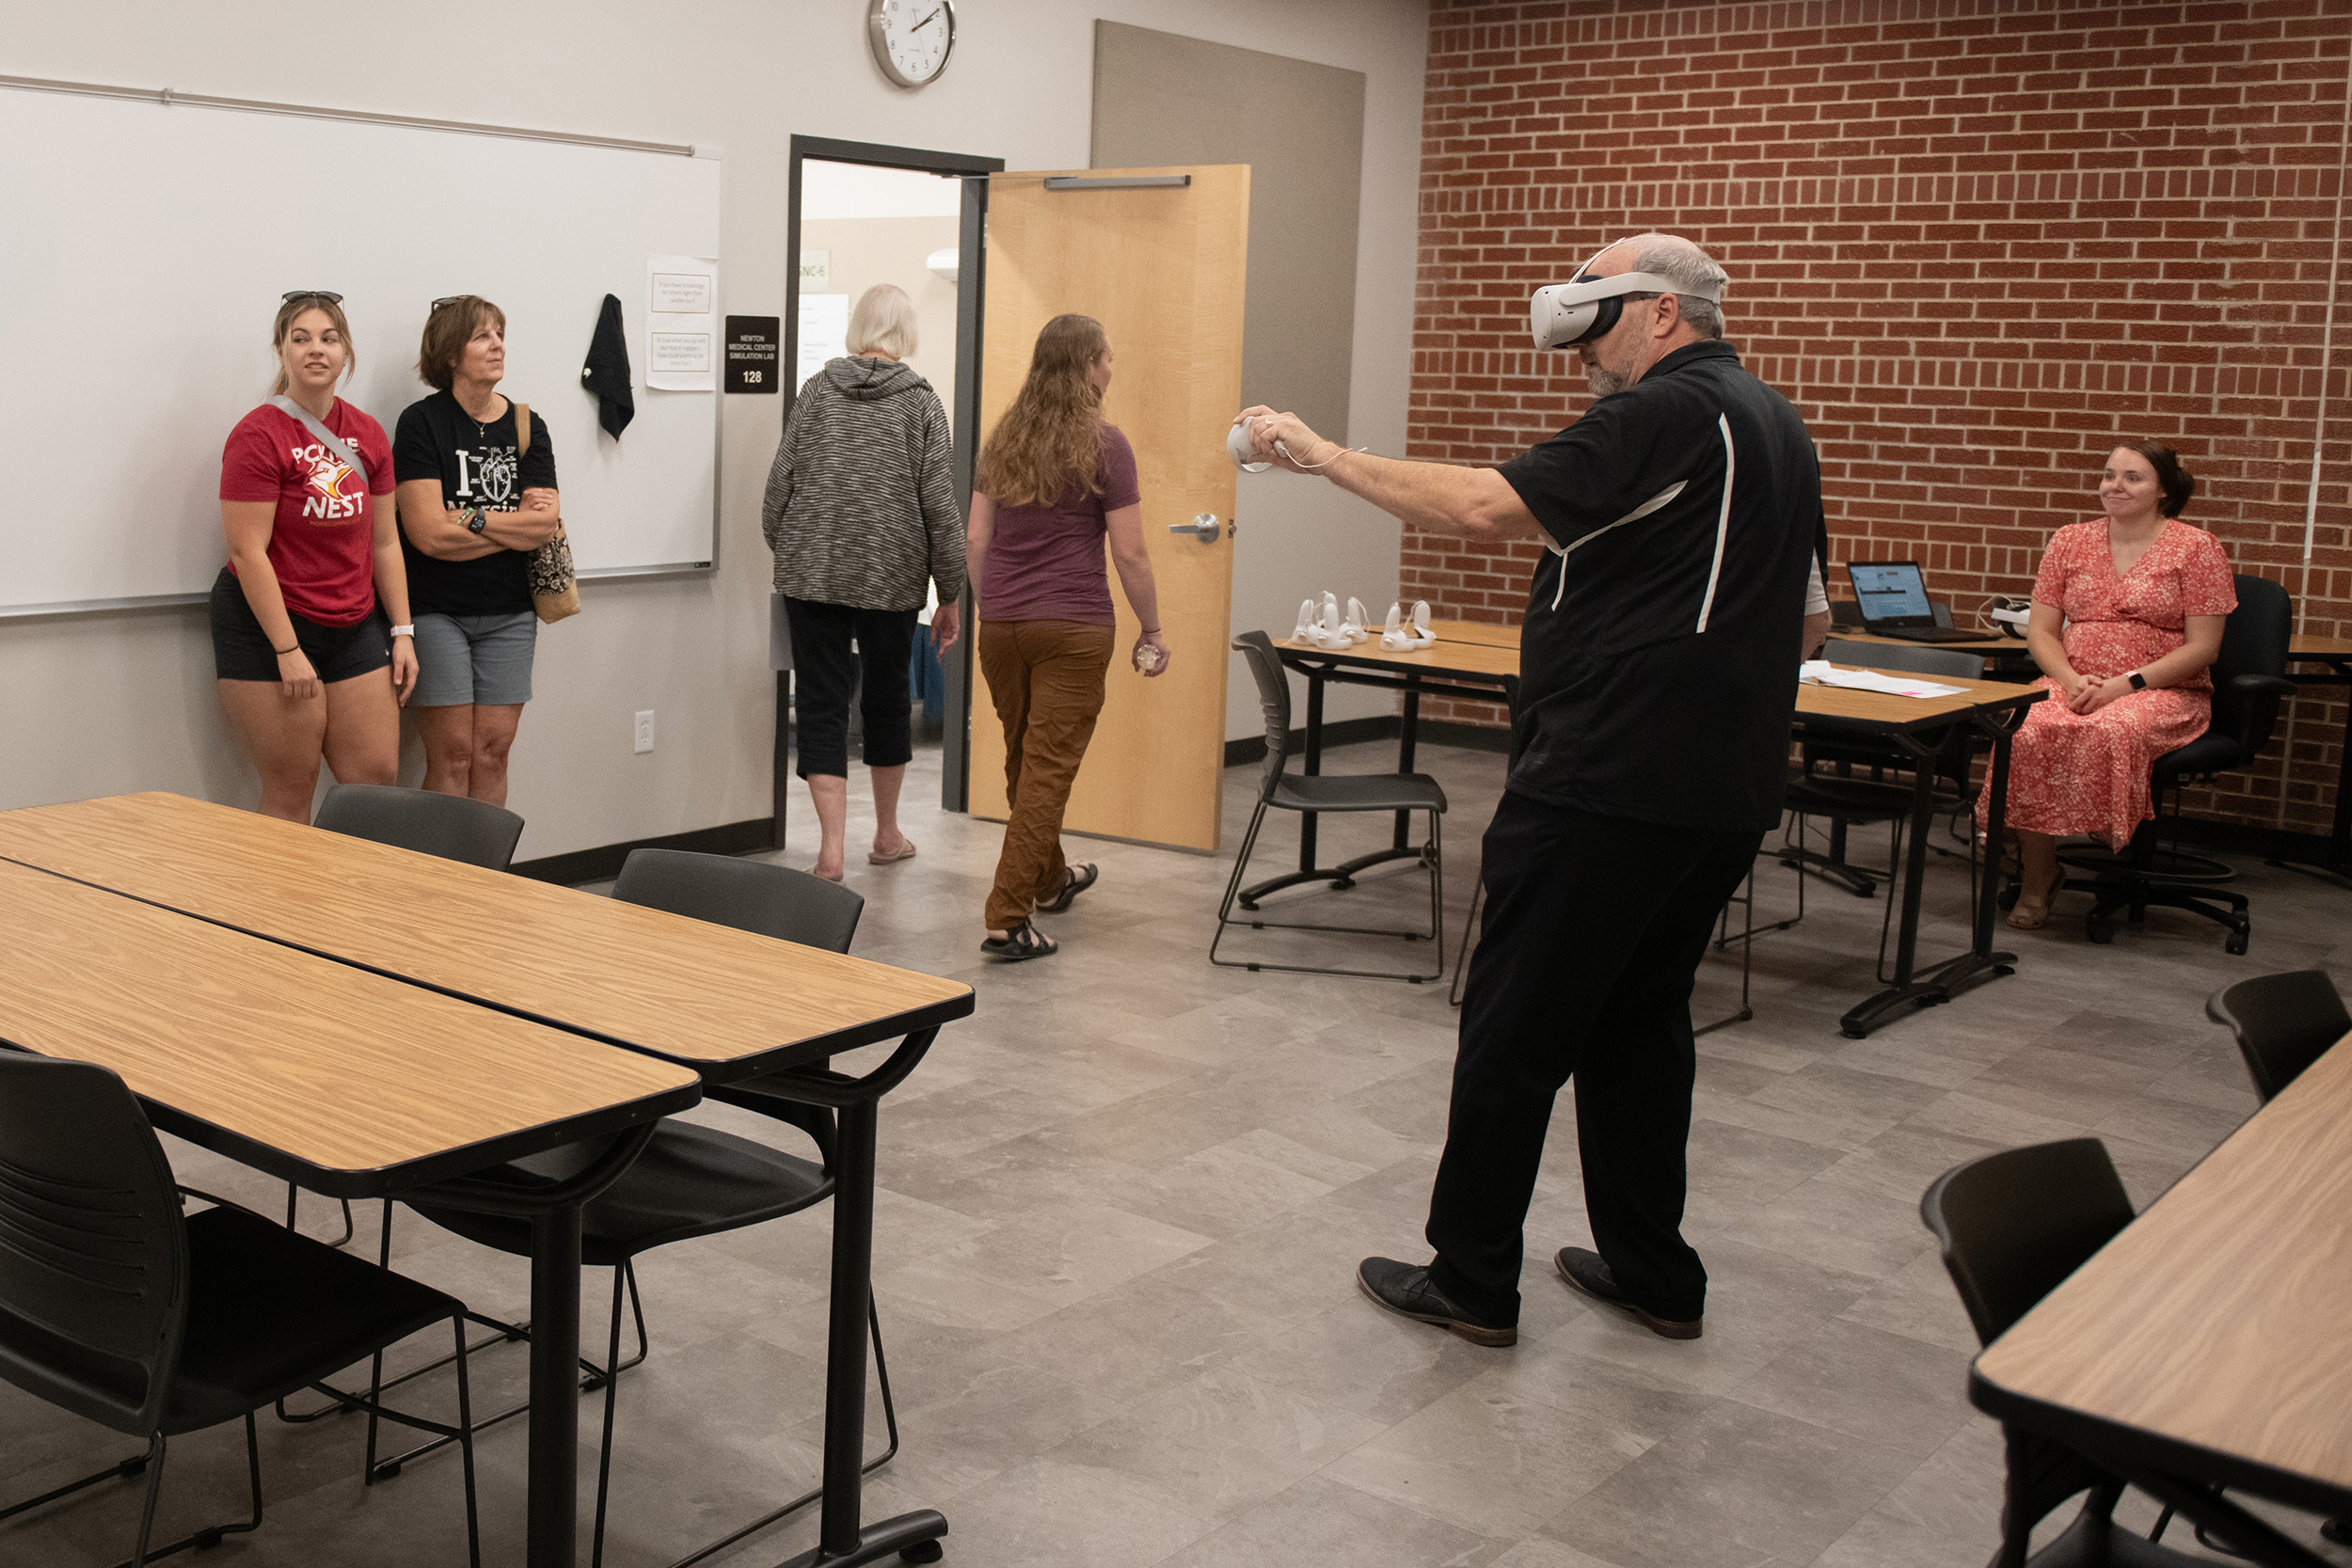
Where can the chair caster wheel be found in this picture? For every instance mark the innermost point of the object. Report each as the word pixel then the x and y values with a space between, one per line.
pixel 923 1551
pixel 2102 933
pixel 1249 905
pixel 2236 944
pixel 1342 884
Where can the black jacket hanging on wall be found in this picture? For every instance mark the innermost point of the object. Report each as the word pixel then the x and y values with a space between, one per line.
pixel 606 374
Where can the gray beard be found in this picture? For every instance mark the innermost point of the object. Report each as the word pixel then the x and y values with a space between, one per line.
pixel 1603 381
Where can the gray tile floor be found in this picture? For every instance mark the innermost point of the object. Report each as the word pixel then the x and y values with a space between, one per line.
pixel 1119 1210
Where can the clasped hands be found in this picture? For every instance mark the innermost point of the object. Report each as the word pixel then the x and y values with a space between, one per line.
pixel 2088 694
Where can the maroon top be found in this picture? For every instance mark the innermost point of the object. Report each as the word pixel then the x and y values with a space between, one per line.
pixel 1045 562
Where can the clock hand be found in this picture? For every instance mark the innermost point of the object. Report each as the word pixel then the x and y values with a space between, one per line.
pixel 925 22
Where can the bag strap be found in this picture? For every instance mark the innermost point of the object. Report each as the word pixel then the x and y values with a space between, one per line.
pixel 522 428
pixel 333 442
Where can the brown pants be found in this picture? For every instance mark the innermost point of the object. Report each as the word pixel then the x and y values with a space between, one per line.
pixel 1046 680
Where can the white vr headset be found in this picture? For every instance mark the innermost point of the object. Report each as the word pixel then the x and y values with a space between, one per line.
pixel 1585 307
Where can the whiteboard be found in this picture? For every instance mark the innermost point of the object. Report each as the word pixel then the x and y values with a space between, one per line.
pixel 143 250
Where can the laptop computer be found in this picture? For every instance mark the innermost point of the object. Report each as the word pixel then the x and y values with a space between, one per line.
pixel 1894 599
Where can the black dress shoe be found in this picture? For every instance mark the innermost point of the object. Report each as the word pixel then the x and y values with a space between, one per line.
pixel 1404 1289
pixel 1588 1274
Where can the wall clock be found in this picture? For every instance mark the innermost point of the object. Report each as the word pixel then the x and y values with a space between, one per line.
pixel 910 38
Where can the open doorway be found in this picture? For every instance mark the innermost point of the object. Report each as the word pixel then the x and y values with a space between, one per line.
pixel 859 215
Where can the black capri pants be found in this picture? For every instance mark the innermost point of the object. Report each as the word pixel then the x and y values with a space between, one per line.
pixel 825 672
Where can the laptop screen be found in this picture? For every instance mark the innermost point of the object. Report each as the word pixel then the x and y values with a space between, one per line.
pixel 1891 591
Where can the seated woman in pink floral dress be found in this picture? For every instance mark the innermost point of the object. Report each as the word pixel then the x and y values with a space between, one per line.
pixel 2142 598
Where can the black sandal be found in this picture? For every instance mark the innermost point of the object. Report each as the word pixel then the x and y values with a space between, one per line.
pixel 1024 941
pixel 1073 885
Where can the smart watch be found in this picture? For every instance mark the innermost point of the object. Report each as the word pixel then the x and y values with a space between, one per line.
pixel 2140 682
pixel 474 519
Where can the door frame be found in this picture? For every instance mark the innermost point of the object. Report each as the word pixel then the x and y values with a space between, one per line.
pixel 971 261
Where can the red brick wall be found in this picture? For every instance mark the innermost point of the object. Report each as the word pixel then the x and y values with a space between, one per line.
pixel 1972 240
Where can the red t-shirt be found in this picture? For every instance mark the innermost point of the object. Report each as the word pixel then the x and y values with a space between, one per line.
pixel 323 543
pixel 1045 562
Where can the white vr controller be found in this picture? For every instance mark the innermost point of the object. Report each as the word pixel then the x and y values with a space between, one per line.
pixel 1330 628
pixel 1582 309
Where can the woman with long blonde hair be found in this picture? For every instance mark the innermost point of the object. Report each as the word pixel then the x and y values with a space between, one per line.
pixel 1056 479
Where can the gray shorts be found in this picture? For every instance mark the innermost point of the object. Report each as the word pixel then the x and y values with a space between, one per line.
pixel 474 659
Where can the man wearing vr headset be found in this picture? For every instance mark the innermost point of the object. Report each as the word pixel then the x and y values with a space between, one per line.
pixel 1679 515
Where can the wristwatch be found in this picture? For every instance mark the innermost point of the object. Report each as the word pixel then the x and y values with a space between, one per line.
pixel 474 519
pixel 2140 682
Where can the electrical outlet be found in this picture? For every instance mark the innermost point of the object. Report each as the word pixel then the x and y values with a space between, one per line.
pixel 644 731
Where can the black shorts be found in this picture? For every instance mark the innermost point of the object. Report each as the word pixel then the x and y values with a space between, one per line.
pixel 242 651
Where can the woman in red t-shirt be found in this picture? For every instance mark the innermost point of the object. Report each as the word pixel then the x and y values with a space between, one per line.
pixel 308 665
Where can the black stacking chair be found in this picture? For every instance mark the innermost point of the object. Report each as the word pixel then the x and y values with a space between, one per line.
pixel 448 825
pixel 2012 1227
pixel 1384 793
pixel 1826 784
pixel 2283 1024
pixel 2249 681
pixel 693 1181
pixel 117 1307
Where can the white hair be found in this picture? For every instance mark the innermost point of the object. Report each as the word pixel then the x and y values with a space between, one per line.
pixel 883 320
pixel 1678 260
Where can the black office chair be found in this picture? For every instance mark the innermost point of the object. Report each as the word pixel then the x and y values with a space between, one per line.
pixel 2012 1227
pixel 2249 681
pixel 693 1181
pixel 116 1305
pixel 2283 1024
pixel 1384 793
pixel 448 825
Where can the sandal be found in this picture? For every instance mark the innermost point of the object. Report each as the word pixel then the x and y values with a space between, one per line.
pixel 2030 913
pixel 1023 942
pixel 905 853
pixel 1073 885
pixel 822 877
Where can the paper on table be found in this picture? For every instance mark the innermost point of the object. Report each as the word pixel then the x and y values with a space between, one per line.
pixel 1821 672
pixel 682 324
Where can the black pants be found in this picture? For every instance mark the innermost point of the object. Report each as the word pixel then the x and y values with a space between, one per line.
pixel 1594 928
pixel 825 672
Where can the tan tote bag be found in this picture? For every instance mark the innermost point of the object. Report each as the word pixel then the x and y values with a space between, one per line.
pixel 555 586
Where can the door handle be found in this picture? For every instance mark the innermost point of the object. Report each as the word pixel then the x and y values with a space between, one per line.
pixel 1203 528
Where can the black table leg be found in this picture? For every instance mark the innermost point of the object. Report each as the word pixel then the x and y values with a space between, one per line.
pixel 2338 865
pixel 843 1539
pixel 1311 766
pixel 1913 985
pixel 554 1500
pixel 1409 731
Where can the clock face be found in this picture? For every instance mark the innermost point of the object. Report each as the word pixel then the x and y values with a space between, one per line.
pixel 911 39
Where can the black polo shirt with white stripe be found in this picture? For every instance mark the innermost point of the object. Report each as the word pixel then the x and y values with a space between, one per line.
pixel 1657 666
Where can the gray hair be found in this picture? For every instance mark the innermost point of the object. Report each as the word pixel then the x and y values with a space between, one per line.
pixel 884 320
pixel 1678 260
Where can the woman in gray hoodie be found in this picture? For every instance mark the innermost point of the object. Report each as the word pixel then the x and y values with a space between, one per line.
pixel 860 513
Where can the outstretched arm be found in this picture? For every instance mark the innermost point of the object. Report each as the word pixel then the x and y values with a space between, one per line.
pixel 1477 503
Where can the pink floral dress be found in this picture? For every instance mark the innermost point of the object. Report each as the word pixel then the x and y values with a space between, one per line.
pixel 2072 774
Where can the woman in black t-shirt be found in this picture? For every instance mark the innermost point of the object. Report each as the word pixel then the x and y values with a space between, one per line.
pixel 473 505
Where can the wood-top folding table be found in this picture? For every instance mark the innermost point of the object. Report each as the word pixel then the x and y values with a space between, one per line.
pixel 437 987
pixel 2209 1345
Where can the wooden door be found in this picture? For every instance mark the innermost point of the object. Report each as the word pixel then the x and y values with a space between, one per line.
pixel 1161 266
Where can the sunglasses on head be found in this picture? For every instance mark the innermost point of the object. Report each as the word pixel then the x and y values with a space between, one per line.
pixel 451 300
pixel 289 297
